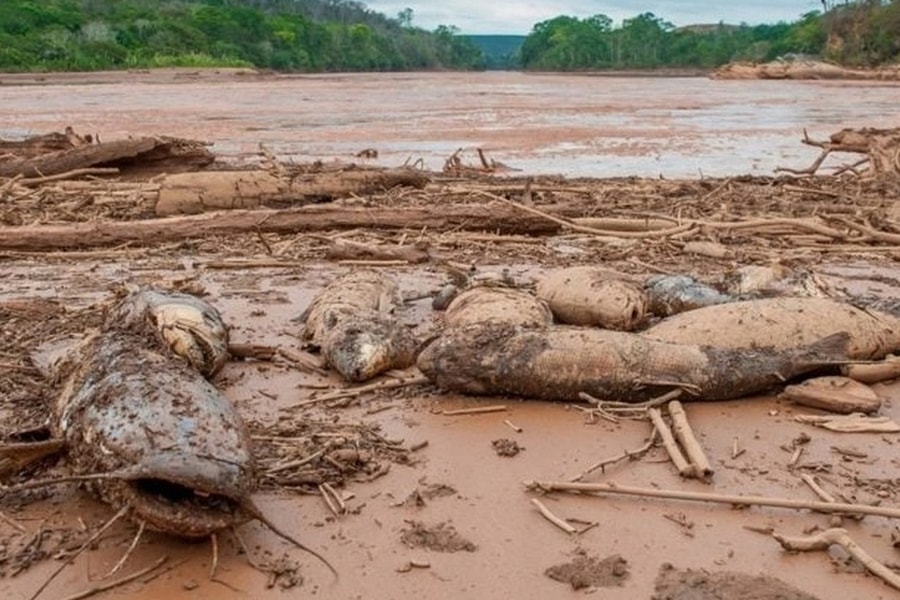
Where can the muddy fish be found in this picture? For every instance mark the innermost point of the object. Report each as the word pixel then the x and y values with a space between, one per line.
pixel 594 296
pixel 559 362
pixel 171 448
pixel 187 325
pixel 497 305
pixel 673 294
pixel 352 323
pixel 782 323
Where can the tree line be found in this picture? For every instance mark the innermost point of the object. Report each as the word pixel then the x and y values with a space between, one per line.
pixel 863 33
pixel 285 35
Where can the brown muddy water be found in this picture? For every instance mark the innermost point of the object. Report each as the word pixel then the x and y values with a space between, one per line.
pixel 575 125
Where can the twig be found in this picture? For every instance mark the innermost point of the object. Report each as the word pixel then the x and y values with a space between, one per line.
pixel 545 512
pixel 513 426
pixel 134 542
pixel 475 411
pixel 811 482
pixel 68 560
pixel 825 539
pixel 735 450
pixel 353 392
pixel 69 175
pixel 295 463
pixel 328 500
pixel 681 464
pixel 611 488
pixel 625 455
pixel 214 542
pixel 688 440
pixel 119 582
pixel 328 490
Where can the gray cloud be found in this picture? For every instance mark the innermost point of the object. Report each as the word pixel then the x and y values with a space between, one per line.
pixel 517 17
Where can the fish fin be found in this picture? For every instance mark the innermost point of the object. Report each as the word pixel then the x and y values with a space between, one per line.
pixel 16 457
pixel 830 350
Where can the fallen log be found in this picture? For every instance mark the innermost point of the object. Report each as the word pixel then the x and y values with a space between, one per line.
pixel 139 154
pixel 194 193
pixel 320 217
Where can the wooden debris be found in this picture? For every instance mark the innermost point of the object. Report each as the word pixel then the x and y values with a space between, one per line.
pixel 612 488
pixel 685 469
pixel 835 394
pixel 307 218
pixel 852 423
pixel 478 410
pixel 348 250
pixel 548 514
pixel 683 432
pixel 625 455
pixel 887 369
pixel 880 147
pixel 145 155
pixel 825 539
pixel 194 193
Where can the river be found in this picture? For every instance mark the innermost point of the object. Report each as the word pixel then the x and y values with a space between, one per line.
pixel 574 125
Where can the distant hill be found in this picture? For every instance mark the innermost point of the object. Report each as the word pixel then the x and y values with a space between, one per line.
pixel 500 51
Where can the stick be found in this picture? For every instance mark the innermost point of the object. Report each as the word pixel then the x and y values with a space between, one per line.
pixel 611 488
pixel 824 539
pixel 475 411
pixel 545 512
pixel 681 464
pixel 134 542
pixel 363 389
pixel 626 454
pixel 118 582
pixel 811 482
pixel 688 440
pixel 69 175
pixel 513 426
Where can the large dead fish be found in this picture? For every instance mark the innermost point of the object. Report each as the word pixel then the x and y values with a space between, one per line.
pixel 559 362
pixel 497 305
pixel 782 323
pixel 169 446
pixel 144 428
pixel 352 323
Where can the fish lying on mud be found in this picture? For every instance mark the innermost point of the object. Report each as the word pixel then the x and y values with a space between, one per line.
pixel 595 296
pixel 489 304
pixel 352 323
pixel 558 362
pixel 781 324
pixel 171 447
pixel 190 327
pixel 144 428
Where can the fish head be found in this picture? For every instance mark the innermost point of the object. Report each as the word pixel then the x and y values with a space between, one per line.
pixel 190 327
pixel 182 495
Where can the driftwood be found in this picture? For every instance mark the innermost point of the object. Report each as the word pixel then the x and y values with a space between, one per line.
pixel 734 500
pixel 193 193
pixel 37 145
pixel 144 155
pixel 889 368
pixel 834 394
pixel 308 218
pixel 341 249
pixel 880 147
pixel 852 423
pixel 825 539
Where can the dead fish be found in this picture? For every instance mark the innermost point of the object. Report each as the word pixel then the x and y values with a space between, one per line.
pixel 672 294
pixel 497 305
pixel 190 327
pixel 558 362
pixel 593 296
pixel 352 323
pixel 170 446
pixel 146 431
pixel 782 323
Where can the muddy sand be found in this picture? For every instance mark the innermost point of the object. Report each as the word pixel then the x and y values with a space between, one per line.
pixel 434 503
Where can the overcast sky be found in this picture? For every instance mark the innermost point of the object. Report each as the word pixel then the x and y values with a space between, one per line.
pixel 517 17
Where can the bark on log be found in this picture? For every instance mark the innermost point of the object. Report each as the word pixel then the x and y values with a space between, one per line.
pixel 142 154
pixel 318 217
pixel 194 193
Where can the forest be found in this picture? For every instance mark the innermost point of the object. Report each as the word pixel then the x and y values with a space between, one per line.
pixel 285 35
pixel 345 35
pixel 864 33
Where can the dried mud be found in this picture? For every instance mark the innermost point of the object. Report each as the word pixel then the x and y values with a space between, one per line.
pixel 390 454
